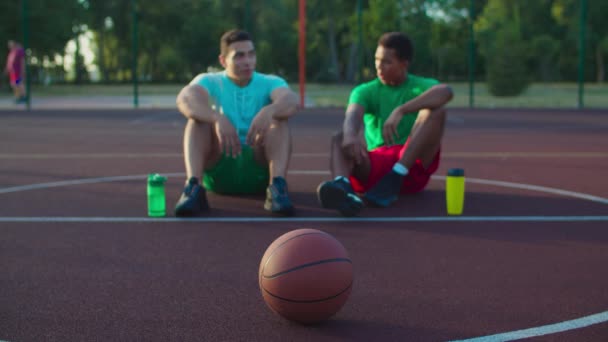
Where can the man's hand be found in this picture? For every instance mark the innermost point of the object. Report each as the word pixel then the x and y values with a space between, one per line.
pixel 258 129
pixel 354 147
pixel 389 129
pixel 228 137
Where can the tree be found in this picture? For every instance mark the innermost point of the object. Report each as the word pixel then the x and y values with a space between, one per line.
pixel 567 13
pixel 503 46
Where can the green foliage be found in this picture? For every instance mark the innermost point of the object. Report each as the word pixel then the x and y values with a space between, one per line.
pixel 178 39
pixel 503 46
pixel 507 74
pixel 544 52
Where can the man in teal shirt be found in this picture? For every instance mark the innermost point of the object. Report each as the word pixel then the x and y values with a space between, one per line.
pixel 236 138
pixel 391 136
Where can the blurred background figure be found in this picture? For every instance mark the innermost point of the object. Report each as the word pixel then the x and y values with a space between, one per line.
pixel 15 69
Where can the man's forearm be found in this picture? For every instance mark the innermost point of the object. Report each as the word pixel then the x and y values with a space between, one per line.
pixel 435 97
pixel 283 108
pixel 195 106
pixel 352 123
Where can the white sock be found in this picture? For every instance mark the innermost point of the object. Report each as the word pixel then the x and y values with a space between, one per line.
pixel 400 169
pixel 342 178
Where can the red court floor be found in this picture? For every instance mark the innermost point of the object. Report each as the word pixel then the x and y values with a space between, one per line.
pixel 81 261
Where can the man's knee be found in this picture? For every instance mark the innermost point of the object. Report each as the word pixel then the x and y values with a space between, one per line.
pixel 434 114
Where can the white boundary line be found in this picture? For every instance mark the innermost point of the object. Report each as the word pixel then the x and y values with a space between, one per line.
pixel 131 155
pixel 472 155
pixel 543 330
pixel 522 186
pixel 507 336
pixel 259 219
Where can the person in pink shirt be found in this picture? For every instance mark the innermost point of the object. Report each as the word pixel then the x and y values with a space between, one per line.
pixel 15 68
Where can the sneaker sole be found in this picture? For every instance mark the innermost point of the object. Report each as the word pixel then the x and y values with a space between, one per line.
pixel 289 211
pixel 190 212
pixel 193 212
pixel 372 202
pixel 332 197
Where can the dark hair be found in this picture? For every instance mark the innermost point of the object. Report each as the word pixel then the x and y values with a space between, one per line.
pixel 399 42
pixel 232 36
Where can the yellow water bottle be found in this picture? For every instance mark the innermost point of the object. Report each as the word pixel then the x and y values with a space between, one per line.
pixel 454 191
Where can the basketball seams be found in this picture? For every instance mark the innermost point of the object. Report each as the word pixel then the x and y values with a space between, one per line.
pixel 285 242
pixel 315 263
pixel 309 279
pixel 309 301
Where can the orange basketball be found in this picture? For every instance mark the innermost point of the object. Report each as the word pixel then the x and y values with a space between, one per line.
pixel 306 276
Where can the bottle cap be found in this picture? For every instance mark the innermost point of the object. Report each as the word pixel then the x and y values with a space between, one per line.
pixel 156 179
pixel 456 172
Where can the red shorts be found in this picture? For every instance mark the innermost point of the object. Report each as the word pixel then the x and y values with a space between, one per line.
pixel 382 161
pixel 14 77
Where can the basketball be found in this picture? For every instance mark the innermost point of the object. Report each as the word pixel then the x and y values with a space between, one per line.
pixel 305 276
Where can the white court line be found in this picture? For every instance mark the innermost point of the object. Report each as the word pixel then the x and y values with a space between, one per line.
pixel 268 219
pixel 54 156
pixel 531 187
pixel 508 336
pixel 20 188
pixel 522 186
pixel 472 155
pixel 543 330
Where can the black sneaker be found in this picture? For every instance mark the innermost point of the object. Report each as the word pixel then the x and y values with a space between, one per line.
pixel 193 200
pixel 339 195
pixel 386 191
pixel 277 199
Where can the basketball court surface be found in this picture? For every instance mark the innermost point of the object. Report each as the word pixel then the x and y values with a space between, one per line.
pixel 81 261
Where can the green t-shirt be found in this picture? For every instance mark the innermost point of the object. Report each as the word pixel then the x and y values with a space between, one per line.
pixel 379 101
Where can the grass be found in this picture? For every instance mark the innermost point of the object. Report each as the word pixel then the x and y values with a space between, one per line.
pixel 551 95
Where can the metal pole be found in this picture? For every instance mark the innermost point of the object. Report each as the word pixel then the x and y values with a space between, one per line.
pixel 26 44
pixel 360 33
pixel 302 51
pixel 581 54
pixel 400 18
pixel 471 54
pixel 135 53
pixel 248 16
pixel 76 30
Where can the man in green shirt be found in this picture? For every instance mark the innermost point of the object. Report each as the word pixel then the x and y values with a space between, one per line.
pixel 390 141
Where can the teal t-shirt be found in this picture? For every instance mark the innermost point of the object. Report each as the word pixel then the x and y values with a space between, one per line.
pixel 239 104
pixel 379 101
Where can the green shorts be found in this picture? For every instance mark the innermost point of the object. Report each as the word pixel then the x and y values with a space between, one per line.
pixel 240 175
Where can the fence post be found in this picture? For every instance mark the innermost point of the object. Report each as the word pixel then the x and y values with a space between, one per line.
pixel 471 54
pixel 360 38
pixel 581 54
pixel 135 53
pixel 26 43
pixel 302 51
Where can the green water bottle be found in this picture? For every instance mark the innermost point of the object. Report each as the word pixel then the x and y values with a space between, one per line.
pixel 156 195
